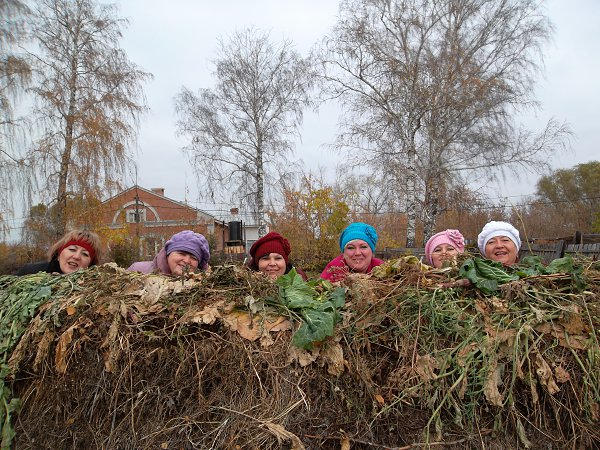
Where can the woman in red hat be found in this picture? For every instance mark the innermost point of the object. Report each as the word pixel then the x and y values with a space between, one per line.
pixel 76 250
pixel 269 255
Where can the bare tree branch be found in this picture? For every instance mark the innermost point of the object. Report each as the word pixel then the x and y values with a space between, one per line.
pixel 241 129
pixel 430 90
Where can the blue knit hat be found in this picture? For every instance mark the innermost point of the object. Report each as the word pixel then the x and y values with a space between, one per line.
pixel 359 230
pixel 193 243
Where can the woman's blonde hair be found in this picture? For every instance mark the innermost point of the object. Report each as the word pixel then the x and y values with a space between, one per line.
pixel 75 235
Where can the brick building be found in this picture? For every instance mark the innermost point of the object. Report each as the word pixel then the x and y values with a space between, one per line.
pixel 153 218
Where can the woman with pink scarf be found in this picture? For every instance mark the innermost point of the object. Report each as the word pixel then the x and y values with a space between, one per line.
pixel 443 247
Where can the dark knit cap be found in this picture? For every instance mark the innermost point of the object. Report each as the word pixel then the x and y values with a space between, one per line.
pixel 271 242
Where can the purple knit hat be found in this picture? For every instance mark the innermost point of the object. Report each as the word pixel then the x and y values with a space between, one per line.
pixel 193 243
pixel 450 237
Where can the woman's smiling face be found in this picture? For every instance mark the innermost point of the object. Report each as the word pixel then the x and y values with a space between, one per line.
pixel 501 249
pixel 358 255
pixel 272 265
pixel 72 258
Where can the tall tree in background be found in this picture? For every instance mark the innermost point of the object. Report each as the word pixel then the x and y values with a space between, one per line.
pixel 377 199
pixel 14 76
pixel 575 195
pixel 241 129
pixel 313 216
pixel 88 99
pixel 431 87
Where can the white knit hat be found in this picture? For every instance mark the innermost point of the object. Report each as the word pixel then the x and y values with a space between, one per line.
pixel 493 229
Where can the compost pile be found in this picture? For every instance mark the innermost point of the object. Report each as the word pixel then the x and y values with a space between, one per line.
pixel 409 357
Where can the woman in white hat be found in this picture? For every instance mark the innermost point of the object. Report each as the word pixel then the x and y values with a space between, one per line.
pixel 499 241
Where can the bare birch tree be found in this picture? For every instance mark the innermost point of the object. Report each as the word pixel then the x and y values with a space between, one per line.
pixel 431 89
pixel 241 130
pixel 14 76
pixel 88 99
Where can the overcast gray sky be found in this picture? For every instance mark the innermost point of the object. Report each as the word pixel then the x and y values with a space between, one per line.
pixel 176 41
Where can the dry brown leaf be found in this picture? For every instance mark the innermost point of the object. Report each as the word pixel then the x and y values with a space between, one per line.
pixel 35 326
pixel 252 327
pixel 544 373
pixel 60 356
pixel 207 315
pixel 577 342
pixel 284 435
pixel 426 366
pixel 482 308
pixel 304 357
pixel 71 310
pixel 574 324
pixel 164 445
pixel 154 287
pixel 42 349
pixel 502 336
pixel 112 354
pixel 499 305
pixel 562 376
pixel 280 323
pixel 241 321
pixel 333 355
pixel 379 399
pixel 492 381
pixel 345 443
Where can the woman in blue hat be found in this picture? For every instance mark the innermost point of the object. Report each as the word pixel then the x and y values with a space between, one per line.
pixel 357 243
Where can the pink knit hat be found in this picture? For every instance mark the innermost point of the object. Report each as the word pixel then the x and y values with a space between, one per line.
pixel 450 237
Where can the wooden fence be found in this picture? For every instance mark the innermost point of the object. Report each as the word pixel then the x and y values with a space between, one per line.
pixel 546 252
pixel 589 250
pixel 391 253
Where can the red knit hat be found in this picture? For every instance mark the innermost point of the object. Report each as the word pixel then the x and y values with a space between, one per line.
pixel 271 242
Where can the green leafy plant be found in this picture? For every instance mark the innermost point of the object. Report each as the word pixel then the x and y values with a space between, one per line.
pixel 319 311
pixel 18 303
pixel 488 275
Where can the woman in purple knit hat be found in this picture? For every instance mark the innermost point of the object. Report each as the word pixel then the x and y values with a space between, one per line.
pixel 186 251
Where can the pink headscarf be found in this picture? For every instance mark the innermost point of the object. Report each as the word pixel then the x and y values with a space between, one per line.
pixel 450 237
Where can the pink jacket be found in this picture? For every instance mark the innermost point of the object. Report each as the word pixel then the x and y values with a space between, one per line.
pixel 157 265
pixel 337 269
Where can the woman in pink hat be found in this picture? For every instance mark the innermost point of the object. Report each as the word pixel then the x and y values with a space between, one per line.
pixel 443 247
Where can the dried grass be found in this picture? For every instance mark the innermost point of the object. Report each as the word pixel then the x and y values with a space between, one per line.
pixel 134 361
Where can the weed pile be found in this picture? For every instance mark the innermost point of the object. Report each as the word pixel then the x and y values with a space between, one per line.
pixel 409 357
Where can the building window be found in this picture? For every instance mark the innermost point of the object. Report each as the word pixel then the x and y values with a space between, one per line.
pixel 151 246
pixel 131 215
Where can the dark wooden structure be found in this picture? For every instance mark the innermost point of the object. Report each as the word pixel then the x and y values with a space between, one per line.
pixel 392 253
pixel 589 250
pixel 546 252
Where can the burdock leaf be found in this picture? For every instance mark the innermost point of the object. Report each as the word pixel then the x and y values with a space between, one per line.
pixel 295 293
pixel 338 297
pixel 317 325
